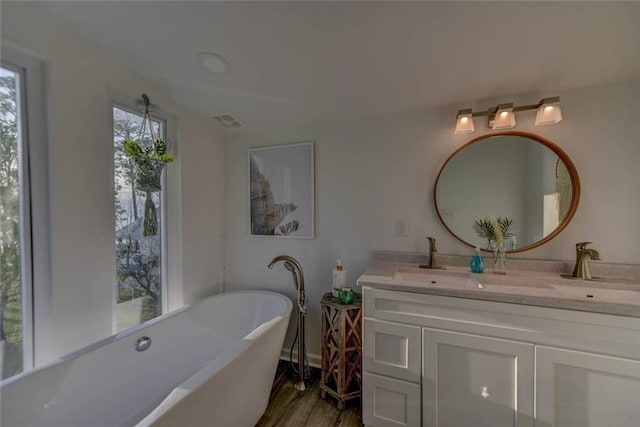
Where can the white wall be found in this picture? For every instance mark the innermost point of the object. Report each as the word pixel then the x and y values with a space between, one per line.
pixel 81 83
pixel 371 171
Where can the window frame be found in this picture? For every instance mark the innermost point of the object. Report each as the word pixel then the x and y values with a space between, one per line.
pixel 132 106
pixel 35 257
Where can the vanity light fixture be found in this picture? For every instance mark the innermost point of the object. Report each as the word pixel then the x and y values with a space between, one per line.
pixel 503 116
pixel 464 122
pixel 549 111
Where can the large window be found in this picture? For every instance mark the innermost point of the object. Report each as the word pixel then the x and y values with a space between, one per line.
pixel 14 222
pixel 140 290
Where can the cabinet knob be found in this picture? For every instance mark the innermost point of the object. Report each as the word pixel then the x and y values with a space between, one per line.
pixel 484 392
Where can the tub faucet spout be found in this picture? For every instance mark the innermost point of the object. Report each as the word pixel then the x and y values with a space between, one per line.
pixel 292 264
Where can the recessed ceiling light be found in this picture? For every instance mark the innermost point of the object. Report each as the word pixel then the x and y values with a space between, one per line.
pixel 213 63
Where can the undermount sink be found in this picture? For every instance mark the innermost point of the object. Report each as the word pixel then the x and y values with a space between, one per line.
pixel 599 294
pixel 437 278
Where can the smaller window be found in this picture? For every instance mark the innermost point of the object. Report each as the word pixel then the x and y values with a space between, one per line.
pixel 139 243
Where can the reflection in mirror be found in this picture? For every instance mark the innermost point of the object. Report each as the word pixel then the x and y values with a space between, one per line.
pixel 517 177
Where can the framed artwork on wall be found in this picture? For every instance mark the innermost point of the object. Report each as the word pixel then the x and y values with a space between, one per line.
pixel 281 191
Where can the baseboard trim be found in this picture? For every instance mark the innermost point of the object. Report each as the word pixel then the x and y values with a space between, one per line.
pixel 314 359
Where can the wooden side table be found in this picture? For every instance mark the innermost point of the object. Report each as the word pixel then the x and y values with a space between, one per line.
pixel 341 349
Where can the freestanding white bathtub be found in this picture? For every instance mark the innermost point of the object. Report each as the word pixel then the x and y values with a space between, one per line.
pixel 211 364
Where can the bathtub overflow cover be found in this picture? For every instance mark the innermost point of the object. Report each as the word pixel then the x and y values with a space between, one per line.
pixel 143 343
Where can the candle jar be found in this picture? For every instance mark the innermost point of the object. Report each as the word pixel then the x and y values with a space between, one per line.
pixel 346 295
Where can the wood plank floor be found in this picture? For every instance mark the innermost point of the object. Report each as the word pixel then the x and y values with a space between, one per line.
pixel 289 408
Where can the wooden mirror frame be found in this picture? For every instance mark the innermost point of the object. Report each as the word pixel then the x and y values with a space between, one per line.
pixel 573 173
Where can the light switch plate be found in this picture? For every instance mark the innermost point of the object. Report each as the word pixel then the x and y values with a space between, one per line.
pixel 401 227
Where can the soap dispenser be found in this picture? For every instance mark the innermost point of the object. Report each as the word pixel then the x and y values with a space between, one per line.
pixel 477 262
pixel 339 279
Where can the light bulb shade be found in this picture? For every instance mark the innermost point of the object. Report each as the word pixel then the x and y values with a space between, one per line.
pixel 505 118
pixel 549 112
pixel 464 122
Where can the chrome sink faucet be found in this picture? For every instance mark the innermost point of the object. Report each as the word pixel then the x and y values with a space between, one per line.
pixel 583 255
pixel 431 260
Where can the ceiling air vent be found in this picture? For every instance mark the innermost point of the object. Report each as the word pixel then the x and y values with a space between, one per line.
pixel 227 120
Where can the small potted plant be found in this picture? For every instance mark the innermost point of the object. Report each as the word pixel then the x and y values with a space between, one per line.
pixel 493 229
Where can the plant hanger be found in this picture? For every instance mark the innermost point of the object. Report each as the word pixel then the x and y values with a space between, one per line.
pixel 146 118
pixel 149 161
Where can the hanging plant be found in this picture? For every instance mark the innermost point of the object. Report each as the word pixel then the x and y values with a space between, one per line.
pixel 149 160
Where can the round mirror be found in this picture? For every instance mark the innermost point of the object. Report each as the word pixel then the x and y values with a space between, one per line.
pixel 526 182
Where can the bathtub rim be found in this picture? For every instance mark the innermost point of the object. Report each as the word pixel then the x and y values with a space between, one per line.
pixel 67 358
pixel 198 379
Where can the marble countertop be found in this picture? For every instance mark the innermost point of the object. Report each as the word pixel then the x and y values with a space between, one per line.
pixel 544 289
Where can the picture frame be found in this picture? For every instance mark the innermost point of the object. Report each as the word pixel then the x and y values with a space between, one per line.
pixel 281 191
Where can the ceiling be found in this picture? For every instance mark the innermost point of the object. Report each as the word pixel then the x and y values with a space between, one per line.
pixel 309 62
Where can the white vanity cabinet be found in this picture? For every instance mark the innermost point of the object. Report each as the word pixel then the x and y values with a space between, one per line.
pixel 483 363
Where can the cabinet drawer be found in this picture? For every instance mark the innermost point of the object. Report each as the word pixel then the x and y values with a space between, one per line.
pixel 388 402
pixel 392 349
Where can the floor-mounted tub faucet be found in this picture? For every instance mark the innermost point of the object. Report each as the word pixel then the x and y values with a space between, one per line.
pixel 583 255
pixel 291 264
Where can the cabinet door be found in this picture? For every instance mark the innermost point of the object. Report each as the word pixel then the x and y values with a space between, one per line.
pixel 392 349
pixel 577 389
pixel 470 380
pixel 387 402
